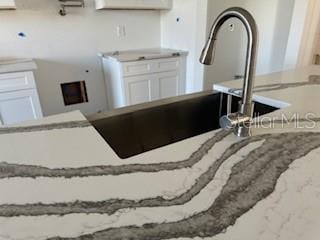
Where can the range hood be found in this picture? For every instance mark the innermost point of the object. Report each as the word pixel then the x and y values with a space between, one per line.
pixel 133 4
pixel 7 4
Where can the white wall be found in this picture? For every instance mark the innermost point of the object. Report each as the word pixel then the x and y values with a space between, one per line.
pixel 273 19
pixel 229 48
pixel 283 23
pixel 65 47
pixel 302 33
pixel 280 24
pixel 188 34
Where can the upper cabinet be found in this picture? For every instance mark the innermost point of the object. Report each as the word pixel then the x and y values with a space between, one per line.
pixel 7 4
pixel 134 4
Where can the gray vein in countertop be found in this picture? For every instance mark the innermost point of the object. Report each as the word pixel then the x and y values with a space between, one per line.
pixel 111 206
pixel 45 127
pixel 312 80
pixel 250 181
pixel 16 170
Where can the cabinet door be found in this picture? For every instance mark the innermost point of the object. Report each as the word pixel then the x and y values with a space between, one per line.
pixel 169 84
pixel 19 106
pixel 146 88
pixel 140 89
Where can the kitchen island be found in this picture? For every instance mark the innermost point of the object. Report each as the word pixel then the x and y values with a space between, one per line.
pixel 59 179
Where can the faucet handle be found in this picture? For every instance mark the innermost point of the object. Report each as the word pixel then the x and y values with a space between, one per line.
pixel 233 120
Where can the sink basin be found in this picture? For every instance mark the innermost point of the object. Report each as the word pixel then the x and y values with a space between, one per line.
pixel 131 132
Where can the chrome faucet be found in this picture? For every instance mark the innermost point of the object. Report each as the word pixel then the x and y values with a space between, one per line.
pixel 240 122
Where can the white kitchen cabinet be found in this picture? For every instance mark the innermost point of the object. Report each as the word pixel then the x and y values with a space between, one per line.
pixel 134 4
pixel 139 89
pixel 19 100
pixel 149 87
pixel 170 84
pixel 133 82
pixel 7 4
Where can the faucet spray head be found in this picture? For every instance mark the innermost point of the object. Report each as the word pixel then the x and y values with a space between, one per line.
pixel 207 55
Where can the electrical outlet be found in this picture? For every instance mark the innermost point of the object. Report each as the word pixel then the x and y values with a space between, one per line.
pixel 121 31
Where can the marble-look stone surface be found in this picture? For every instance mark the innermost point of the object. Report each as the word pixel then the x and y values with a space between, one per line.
pixel 8 65
pixel 143 54
pixel 60 180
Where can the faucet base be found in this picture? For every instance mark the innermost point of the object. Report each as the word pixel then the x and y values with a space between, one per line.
pixel 242 131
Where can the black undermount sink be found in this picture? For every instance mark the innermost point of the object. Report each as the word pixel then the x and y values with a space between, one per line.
pixel 138 131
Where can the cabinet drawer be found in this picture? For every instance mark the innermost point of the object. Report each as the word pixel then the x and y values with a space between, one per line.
pixel 137 68
pixel 170 64
pixel 150 66
pixel 16 81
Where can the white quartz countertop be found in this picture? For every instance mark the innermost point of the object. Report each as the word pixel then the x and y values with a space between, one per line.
pixel 8 65
pixel 143 54
pixel 60 180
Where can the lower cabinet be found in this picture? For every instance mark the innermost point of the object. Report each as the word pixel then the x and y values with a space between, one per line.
pixel 19 106
pixel 140 89
pixel 19 99
pixel 130 83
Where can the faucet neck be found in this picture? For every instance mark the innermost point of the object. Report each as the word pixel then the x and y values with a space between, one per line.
pixel 250 66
